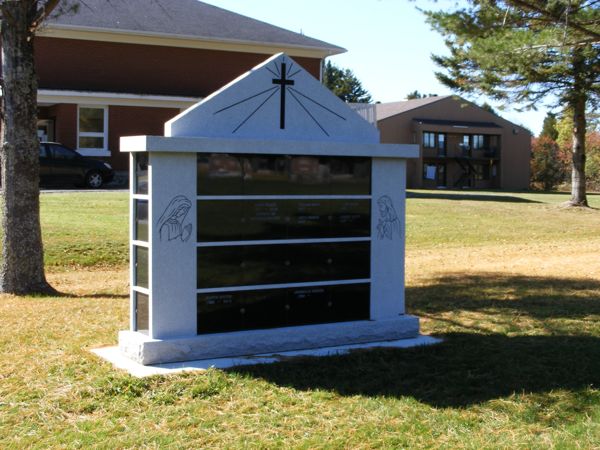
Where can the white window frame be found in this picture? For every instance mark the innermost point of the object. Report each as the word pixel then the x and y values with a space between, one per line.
pixel 104 135
pixel 429 139
pixel 478 142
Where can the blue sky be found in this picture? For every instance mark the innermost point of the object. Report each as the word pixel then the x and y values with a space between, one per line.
pixel 388 42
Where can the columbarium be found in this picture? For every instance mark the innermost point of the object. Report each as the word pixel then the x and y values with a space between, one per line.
pixel 268 218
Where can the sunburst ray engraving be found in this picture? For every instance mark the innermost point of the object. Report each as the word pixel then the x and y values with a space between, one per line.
pixel 284 84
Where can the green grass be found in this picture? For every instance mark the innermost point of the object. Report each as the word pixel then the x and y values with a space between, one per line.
pixel 459 218
pixel 91 229
pixel 510 284
pixel 85 229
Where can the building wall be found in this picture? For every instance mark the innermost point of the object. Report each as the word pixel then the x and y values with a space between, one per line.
pixel 396 130
pixel 142 69
pixel 515 146
pixel 122 121
pixel 515 163
pixel 132 121
pixel 65 123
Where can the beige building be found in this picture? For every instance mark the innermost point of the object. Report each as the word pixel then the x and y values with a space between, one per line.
pixel 461 144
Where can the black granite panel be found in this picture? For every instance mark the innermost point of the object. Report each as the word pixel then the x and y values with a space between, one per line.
pixel 349 260
pixel 272 308
pixel 263 309
pixel 224 174
pixel 218 312
pixel 245 310
pixel 220 174
pixel 265 219
pixel 309 218
pixel 309 175
pixel 141 220
pixel 220 267
pixel 142 312
pixel 309 305
pixel 141 266
pixel 350 175
pixel 349 302
pixel 350 218
pixel 221 220
pixel 141 173
pixel 247 265
pixel 309 262
pixel 266 174
pixel 267 264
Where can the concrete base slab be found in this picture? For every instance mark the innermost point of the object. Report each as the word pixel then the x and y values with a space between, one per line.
pixel 119 360
pixel 145 350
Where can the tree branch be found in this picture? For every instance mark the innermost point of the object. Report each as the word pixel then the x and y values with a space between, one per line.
pixel 43 12
pixel 530 6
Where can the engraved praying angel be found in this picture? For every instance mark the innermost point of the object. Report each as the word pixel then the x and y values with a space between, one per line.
pixel 170 225
pixel 388 224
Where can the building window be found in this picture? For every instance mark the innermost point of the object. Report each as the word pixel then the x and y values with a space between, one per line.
pixel 435 140
pixel 465 144
pixel 92 131
pixel 478 141
pixel 428 140
pixel 435 172
pixel 441 144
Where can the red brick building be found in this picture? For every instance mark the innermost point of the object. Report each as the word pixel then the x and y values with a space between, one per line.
pixel 124 67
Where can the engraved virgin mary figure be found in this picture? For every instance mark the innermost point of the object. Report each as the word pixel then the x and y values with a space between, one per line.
pixel 170 225
pixel 388 224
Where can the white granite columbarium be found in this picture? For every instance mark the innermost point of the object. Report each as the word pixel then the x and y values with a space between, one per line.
pixel 269 218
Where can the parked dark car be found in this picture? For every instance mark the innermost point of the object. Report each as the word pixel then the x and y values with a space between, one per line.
pixel 61 165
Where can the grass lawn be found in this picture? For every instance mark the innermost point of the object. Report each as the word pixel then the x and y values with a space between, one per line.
pixel 510 281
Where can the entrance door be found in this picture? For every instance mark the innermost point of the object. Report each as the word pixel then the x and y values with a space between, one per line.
pixel 440 176
pixel 45 130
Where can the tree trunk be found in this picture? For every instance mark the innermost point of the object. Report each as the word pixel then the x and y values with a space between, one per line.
pixel 578 193
pixel 578 104
pixel 22 265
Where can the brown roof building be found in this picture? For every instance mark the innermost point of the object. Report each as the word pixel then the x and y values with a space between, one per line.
pixel 462 144
pixel 125 67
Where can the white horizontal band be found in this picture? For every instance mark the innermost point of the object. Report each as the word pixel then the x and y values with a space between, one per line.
pixel 283 241
pixel 259 287
pixel 284 197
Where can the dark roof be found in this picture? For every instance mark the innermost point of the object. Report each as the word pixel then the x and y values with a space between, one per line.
pixel 189 18
pixel 385 110
pixel 458 123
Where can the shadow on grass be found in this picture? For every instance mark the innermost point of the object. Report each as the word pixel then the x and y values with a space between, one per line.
pixel 466 369
pixel 471 366
pixel 538 297
pixel 492 196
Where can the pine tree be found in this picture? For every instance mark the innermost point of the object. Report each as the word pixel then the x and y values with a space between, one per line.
pixel 525 52
pixel 344 84
pixel 549 127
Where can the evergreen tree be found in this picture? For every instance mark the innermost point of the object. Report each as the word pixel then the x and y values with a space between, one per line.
pixel 488 108
pixel 344 84
pixel 549 127
pixel 546 168
pixel 525 52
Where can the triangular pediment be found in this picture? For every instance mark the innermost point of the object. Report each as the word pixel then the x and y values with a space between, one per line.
pixel 276 100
